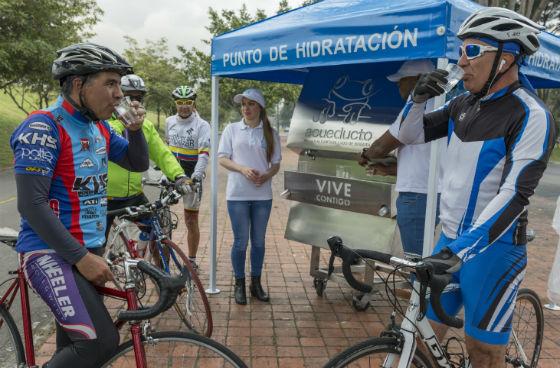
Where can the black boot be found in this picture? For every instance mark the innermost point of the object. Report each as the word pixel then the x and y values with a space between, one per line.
pixel 257 290
pixel 240 294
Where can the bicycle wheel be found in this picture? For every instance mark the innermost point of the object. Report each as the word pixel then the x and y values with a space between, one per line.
pixel 11 347
pixel 177 349
pixel 375 352
pixel 117 250
pixel 527 331
pixel 192 304
pixel 168 223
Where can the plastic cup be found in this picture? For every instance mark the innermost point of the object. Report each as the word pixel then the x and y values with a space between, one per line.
pixel 455 75
pixel 125 112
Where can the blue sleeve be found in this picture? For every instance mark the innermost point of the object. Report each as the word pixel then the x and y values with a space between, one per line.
pixel 36 145
pixel 117 144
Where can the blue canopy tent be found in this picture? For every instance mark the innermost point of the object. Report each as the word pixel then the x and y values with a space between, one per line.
pixel 285 48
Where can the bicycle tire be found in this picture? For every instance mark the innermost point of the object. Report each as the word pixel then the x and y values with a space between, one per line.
pixel 191 350
pixel 372 353
pixel 192 305
pixel 166 220
pixel 119 249
pixel 527 330
pixel 10 332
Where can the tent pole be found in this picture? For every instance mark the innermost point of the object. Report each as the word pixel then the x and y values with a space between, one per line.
pixel 214 184
pixel 431 201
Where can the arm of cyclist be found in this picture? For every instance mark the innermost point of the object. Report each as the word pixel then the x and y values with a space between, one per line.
pixel 33 205
pixel 416 127
pixel 203 152
pixel 132 154
pixel 160 153
pixel 528 151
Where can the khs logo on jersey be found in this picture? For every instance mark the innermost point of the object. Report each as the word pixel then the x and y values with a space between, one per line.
pixel 38 138
pixel 91 184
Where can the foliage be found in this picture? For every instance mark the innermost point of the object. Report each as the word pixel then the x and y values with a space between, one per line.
pixel 30 33
pixel 159 72
pixel 195 65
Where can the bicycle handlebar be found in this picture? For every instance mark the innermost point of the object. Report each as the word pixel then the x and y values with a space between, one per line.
pixel 137 211
pixel 169 288
pixel 424 272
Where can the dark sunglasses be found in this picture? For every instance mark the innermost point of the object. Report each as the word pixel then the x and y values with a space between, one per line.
pixel 472 50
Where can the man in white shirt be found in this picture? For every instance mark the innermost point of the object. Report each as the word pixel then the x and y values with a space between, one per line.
pixel 188 136
pixel 413 163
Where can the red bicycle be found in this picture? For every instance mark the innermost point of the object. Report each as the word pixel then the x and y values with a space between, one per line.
pixel 146 348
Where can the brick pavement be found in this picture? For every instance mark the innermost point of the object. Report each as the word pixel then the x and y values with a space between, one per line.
pixel 299 328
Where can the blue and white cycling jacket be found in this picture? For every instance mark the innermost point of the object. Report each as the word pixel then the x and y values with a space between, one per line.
pixel 497 150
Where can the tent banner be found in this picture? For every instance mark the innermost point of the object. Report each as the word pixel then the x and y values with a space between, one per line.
pixel 408 36
pixel 345 108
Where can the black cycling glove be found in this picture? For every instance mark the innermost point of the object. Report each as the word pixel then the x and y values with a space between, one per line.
pixel 429 85
pixel 444 262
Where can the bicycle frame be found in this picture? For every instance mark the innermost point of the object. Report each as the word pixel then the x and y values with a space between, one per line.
pixel 128 295
pixel 409 327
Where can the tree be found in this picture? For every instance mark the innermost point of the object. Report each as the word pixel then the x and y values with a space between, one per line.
pixel 540 11
pixel 159 72
pixel 195 66
pixel 30 33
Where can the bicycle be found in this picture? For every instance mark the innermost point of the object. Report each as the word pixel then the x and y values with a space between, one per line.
pixel 192 306
pixel 146 348
pixel 397 345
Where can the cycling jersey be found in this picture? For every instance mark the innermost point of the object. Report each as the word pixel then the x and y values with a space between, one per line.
pixel 497 150
pixel 189 140
pixel 123 183
pixel 61 144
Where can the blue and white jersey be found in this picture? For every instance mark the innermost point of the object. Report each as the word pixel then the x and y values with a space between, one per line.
pixel 61 144
pixel 497 150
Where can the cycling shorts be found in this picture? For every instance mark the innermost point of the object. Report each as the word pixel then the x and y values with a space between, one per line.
pixel 487 287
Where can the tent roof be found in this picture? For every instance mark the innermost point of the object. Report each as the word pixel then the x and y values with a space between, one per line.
pixel 334 32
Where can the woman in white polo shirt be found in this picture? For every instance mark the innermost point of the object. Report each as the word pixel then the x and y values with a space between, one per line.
pixel 250 150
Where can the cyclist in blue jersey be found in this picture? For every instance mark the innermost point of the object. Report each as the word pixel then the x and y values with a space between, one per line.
pixel 61 156
pixel 499 139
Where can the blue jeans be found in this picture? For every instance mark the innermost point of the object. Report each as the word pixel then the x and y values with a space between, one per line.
pixel 411 213
pixel 248 218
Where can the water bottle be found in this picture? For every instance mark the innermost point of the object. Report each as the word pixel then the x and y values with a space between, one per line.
pixel 143 241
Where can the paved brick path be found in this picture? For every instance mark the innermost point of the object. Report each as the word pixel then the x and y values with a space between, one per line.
pixel 298 328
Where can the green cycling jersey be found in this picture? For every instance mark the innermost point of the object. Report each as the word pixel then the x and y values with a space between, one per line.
pixel 123 183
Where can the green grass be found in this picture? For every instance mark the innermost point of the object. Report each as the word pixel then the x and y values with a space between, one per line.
pixel 10 118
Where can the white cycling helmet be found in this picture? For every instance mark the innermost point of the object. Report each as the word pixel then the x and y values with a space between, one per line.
pixel 502 25
pixel 132 83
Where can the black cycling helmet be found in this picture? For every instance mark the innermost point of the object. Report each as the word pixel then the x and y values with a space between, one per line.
pixel 88 58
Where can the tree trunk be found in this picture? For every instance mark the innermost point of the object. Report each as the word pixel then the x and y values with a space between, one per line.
pixel 19 104
pixel 511 4
pixel 529 10
pixel 539 10
pixel 158 109
pixel 483 2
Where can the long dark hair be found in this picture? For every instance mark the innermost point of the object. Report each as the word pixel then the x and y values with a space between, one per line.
pixel 268 134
